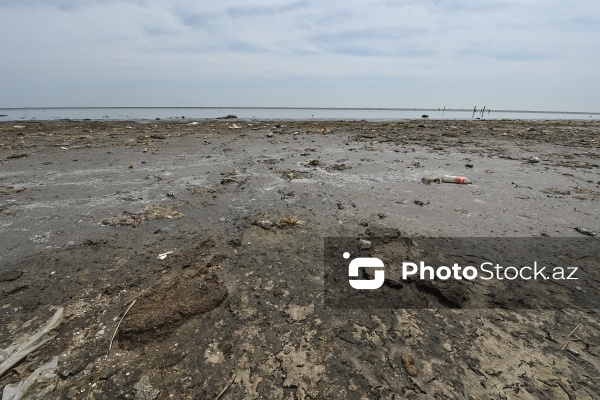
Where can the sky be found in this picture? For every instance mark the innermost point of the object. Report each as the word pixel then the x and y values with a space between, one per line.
pixel 505 54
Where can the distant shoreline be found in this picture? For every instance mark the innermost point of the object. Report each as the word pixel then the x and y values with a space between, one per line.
pixel 478 110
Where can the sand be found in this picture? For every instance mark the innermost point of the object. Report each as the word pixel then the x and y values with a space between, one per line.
pixel 86 208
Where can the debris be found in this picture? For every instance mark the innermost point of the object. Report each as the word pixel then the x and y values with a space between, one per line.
pixel 228 116
pixel 121 320
pixel 17 156
pixel 584 231
pixel 162 256
pixel 40 384
pixel 570 334
pixel 456 179
pixel 16 352
pixel 144 390
pixel 311 163
pixel 421 203
pixel 424 116
pixel 151 212
pixel 533 160
pixel 170 194
pixel 193 123
pixel 364 244
pixel 168 305
pixel 409 364
pixel 64 148
pixel 235 126
pixel 469 165
pixel 19 126
pixel 336 167
pixel 129 166
pixel 429 181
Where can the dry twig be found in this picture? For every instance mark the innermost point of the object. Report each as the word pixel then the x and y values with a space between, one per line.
pixel 119 324
pixel 567 339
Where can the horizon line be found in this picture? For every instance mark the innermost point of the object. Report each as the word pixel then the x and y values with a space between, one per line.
pixel 305 108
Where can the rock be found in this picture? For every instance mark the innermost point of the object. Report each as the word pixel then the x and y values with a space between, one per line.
pixel 424 116
pixel 533 160
pixel 228 116
pixel 364 244
pixel 10 275
pixel 144 390
pixel 409 364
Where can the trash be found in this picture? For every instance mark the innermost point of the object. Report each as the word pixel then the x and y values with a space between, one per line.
pixel 533 160
pixel 130 166
pixel 15 353
pixel 145 150
pixel 421 203
pixel 469 165
pixel 170 194
pixel 64 148
pixel 584 231
pixel 162 256
pixel 364 244
pixel 235 126
pixel 193 123
pixel 19 126
pixel 42 382
pixel 17 156
pixel 456 179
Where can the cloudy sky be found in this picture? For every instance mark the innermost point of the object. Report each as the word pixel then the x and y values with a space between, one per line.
pixel 506 54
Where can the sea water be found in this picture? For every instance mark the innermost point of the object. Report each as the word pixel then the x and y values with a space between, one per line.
pixel 152 113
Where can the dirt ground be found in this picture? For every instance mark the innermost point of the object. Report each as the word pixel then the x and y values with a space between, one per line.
pixel 235 309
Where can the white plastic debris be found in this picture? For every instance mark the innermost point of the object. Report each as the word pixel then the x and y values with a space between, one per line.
pixel 63 148
pixel 193 123
pixel 15 353
pixel 41 383
pixel 162 256
pixel 456 179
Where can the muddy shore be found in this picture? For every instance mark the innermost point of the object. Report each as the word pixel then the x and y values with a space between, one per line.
pixel 241 207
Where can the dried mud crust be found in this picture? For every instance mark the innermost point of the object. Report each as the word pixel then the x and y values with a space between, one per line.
pixel 168 305
pixel 237 307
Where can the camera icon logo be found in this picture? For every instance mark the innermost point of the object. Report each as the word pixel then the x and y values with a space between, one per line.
pixel 365 262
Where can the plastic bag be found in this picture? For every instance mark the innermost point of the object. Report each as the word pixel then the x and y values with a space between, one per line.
pixel 42 381
pixel 15 353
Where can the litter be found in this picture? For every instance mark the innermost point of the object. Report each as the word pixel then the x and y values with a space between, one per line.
pixel 193 123
pixel 42 381
pixel 64 148
pixel 456 179
pixel 584 231
pixel 162 256
pixel 15 353
pixel 533 160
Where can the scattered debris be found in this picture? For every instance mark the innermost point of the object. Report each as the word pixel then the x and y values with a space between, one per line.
pixel 162 256
pixel 429 181
pixel 336 167
pixel 311 163
pixel 469 165
pixel 533 160
pixel 235 126
pixel 293 174
pixel 584 231
pixel 27 345
pixel 554 190
pixel 456 179
pixel 17 156
pixel 421 203
pixel 149 213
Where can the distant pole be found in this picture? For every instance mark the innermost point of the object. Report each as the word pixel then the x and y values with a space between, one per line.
pixel 474 110
pixel 443 111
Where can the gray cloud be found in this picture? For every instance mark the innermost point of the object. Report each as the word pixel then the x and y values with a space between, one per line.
pixel 88 52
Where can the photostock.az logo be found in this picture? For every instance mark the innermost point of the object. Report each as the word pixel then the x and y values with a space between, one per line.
pixel 365 262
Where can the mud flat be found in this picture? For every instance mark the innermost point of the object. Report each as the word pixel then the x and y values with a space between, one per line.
pixel 236 307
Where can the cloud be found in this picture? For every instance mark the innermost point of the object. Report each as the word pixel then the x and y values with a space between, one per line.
pixel 428 41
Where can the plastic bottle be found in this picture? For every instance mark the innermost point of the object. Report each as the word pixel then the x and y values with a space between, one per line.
pixel 456 179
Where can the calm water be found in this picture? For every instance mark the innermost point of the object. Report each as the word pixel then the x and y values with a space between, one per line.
pixel 143 113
